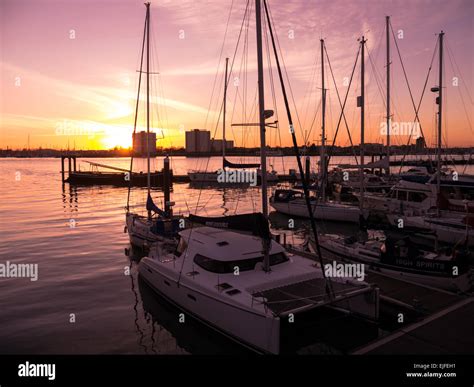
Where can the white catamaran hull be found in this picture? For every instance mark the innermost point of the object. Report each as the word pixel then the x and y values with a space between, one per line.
pixel 258 331
pixel 322 211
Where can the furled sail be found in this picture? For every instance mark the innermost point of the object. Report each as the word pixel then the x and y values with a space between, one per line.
pixel 235 165
pixel 151 206
pixel 254 223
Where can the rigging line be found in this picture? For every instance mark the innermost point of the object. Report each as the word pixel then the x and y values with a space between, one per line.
pixel 231 69
pixel 459 90
pixel 419 103
pixel 217 124
pixel 406 79
pixel 342 105
pixel 345 100
pixel 219 62
pixel 244 64
pixel 308 136
pixel 459 71
pixel 272 84
pixel 377 80
pixel 314 118
pixel 272 22
pixel 308 91
pixel 136 113
pixel 298 158
pixel 242 97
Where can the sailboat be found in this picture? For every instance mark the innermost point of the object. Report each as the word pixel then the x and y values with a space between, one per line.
pixel 213 177
pixel 158 225
pixel 399 258
pixel 230 274
pixel 291 202
pixel 454 227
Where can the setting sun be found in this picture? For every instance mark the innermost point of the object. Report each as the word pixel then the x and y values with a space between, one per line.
pixel 117 136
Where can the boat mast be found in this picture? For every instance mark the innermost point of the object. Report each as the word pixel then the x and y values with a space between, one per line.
pixel 389 123
pixel 440 111
pixel 261 107
pixel 323 127
pixel 304 182
pixel 136 110
pixel 225 105
pixel 362 129
pixel 148 99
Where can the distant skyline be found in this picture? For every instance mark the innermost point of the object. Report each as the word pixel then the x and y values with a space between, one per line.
pixel 69 69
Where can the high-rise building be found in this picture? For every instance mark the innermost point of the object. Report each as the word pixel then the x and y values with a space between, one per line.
pixel 198 141
pixel 140 144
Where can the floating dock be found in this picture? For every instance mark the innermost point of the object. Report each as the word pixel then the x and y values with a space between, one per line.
pixel 429 315
pixel 448 331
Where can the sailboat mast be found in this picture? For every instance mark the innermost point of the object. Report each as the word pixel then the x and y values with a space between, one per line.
pixel 148 99
pixel 440 111
pixel 362 126
pixel 298 158
pixel 323 127
pixel 387 22
pixel 136 110
pixel 261 107
pixel 225 109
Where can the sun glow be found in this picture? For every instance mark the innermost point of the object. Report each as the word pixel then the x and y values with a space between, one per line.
pixel 117 136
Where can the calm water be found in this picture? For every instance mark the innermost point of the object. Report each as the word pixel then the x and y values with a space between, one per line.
pixel 76 236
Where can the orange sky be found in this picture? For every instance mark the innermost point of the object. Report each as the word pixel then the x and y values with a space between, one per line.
pixel 68 69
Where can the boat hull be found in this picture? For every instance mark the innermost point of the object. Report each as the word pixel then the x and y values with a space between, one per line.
pixel 444 233
pixel 116 178
pixel 460 283
pixel 256 331
pixel 320 212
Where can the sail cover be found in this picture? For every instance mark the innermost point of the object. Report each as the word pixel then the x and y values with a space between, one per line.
pixel 254 223
pixel 151 206
pixel 234 165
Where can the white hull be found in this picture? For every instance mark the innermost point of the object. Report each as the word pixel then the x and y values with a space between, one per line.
pixel 323 211
pixel 198 275
pixel 139 231
pixel 258 331
pixel 212 177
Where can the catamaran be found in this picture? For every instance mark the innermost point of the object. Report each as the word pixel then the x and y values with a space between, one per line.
pixel 230 274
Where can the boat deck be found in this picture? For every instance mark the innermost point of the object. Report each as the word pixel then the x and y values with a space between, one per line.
pixel 305 295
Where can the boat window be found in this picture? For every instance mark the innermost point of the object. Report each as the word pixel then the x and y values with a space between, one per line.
pixel 416 197
pixel 181 247
pixel 216 266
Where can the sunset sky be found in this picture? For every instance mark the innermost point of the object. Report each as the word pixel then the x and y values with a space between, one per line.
pixel 69 68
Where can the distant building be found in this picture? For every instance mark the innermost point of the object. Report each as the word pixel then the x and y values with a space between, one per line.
pixel 198 141
pixel 216 145
pixel 420 144
pixel 140 143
